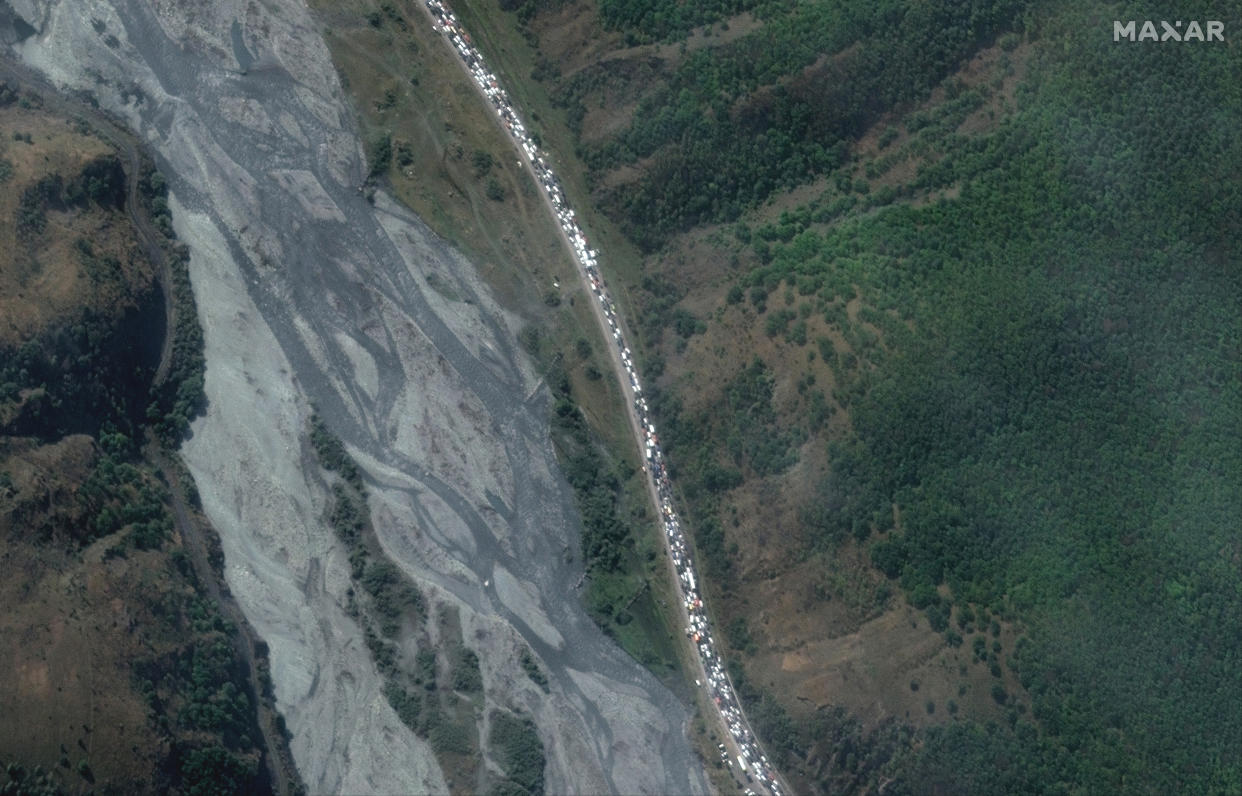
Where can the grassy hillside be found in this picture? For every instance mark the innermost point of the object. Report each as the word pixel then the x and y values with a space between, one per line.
pixel 943 307
pixel 126 676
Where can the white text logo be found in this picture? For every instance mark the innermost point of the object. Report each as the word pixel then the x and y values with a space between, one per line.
pixel 1212 30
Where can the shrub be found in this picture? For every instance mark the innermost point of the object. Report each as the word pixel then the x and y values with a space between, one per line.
pixel 379 154
pixel 467 676
pixel 531 667
pixel 518 749
pixel 482 163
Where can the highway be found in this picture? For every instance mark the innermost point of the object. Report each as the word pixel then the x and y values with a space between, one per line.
pixel 741 752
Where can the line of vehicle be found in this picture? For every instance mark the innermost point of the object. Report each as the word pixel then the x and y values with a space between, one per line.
pixel 753 764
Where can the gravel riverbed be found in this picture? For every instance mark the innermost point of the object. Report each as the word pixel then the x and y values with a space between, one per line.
pixel 310 295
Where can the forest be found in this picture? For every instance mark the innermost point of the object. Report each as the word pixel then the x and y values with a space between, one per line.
pixel 97 369
pixel 1063 436
pixel 733 124
pixel 618 560
pixel 1041 379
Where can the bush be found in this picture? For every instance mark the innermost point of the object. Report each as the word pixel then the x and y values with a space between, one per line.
pixel 482 163
pixel 467 676
pixel 445 735
pixel 379 154
pixel 518 749
pixel 407 704
pixel 532 669
pixel 331 453
pixel 214 771
pixel 404 154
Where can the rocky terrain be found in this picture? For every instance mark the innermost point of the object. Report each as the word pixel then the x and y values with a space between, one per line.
pixel 310 295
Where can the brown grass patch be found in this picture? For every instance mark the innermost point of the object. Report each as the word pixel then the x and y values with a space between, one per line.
pixel 70 629
pixel 42 279
pixel 824 633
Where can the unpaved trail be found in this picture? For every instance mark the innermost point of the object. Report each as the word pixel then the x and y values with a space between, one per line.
pixel 108 129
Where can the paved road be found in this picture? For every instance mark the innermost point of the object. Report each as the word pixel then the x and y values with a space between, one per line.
pixel 471 63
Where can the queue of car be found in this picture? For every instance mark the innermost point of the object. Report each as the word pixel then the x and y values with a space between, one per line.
pixel 752 764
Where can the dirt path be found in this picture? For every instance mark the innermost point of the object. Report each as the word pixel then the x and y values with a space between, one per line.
pixel 131 153
pixel 194 538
